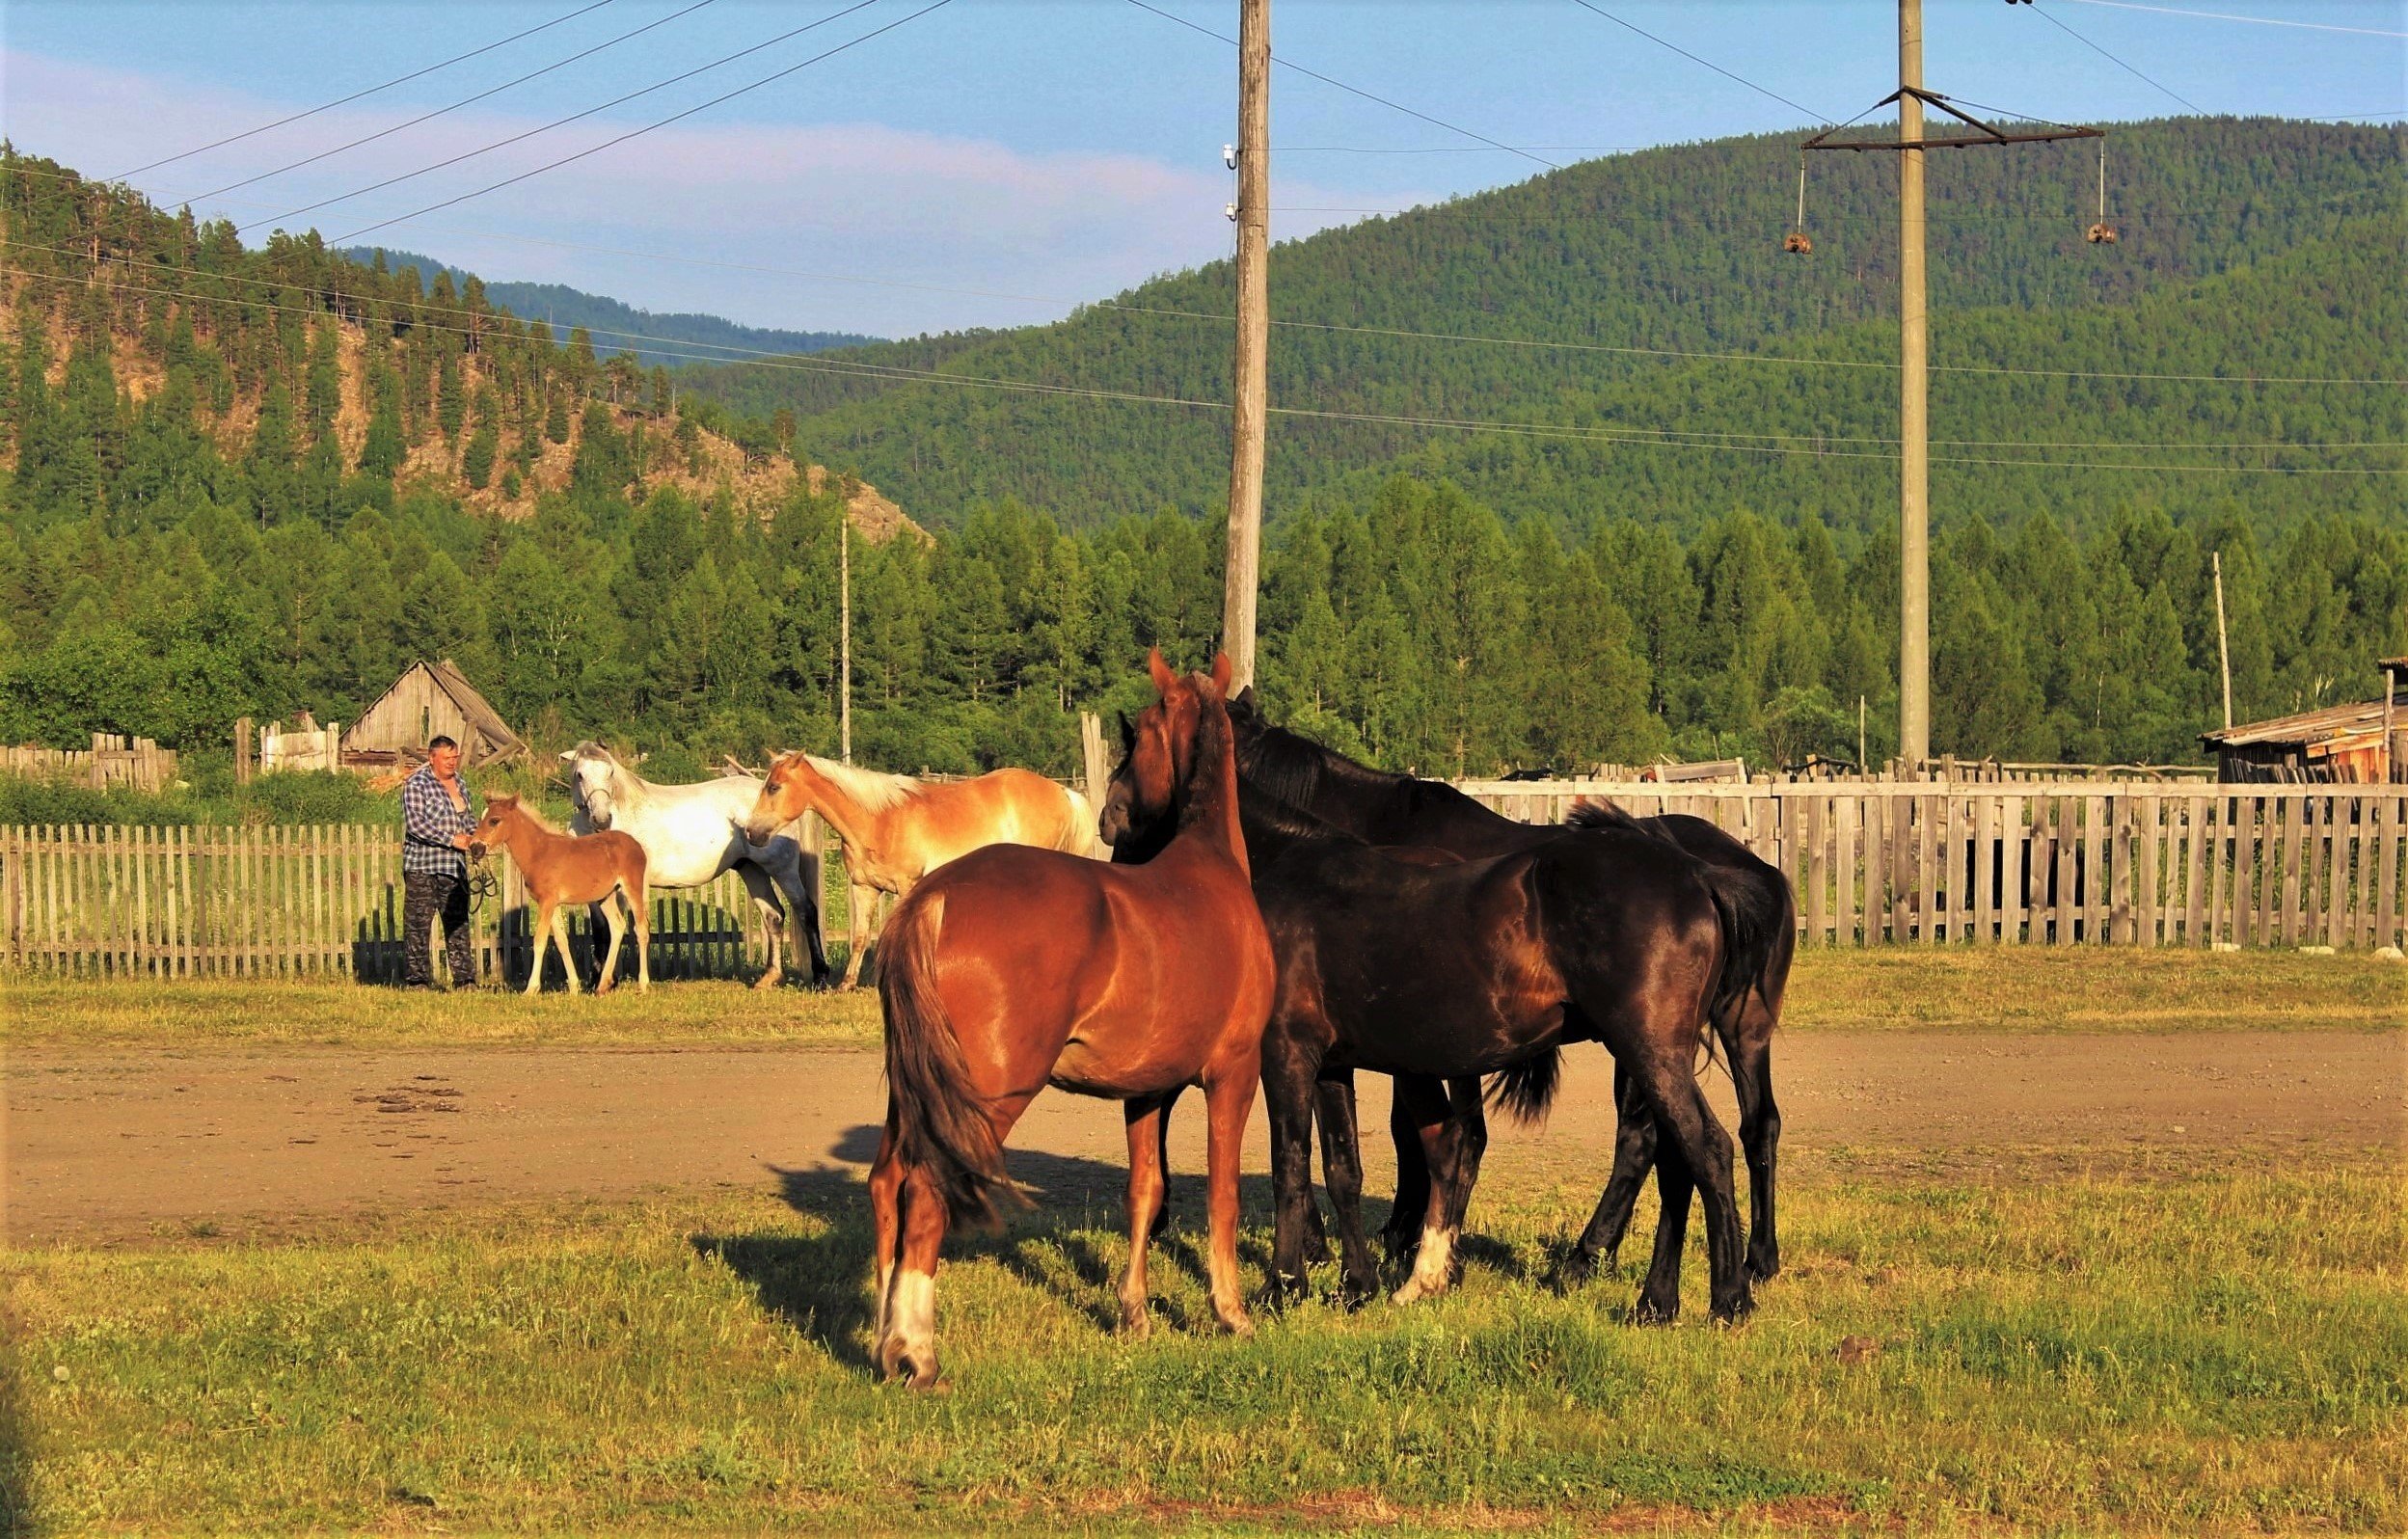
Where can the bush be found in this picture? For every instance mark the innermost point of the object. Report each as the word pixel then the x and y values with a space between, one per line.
pixel 319 795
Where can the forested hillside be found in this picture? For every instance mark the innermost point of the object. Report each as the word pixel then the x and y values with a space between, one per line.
pixel 245 481
pixel 618 327
pixel 2252 248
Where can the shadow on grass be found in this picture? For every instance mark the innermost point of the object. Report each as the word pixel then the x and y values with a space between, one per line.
pixel 820 1283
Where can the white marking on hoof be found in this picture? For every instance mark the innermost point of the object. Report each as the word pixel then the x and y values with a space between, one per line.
pixel 911 1327
pixel 1433 1265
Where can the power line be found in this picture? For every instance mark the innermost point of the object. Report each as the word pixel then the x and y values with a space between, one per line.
pixel 1689 354
pixel 1796 444
pixel 638 133
pixel 557 122
pixel 357 95
pixel 424 117
pixel 2118 62
pixel 1354 90
pixel 1709 64
pixel 2262 21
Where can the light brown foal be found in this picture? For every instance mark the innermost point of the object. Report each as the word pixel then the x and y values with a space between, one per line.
pixel 1012 968
pixel 896 829
pixel 563 869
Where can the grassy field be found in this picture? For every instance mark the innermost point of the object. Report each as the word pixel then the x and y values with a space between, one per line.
pixel 1958 988
pixel 2200 1352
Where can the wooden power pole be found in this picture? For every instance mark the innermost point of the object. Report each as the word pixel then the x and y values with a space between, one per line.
pixel 1914 446
pixel 1250 384
pixel 844 633
pixel 1914 421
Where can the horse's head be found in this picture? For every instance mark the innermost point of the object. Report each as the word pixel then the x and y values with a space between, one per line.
pixel 494 829
pixel 785 795
pixel 591 773
pixel 1159 753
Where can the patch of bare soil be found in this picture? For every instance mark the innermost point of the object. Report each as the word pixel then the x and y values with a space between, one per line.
pixel 117 1143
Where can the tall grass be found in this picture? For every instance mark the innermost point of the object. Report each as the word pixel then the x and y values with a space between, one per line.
pixel 2201 1353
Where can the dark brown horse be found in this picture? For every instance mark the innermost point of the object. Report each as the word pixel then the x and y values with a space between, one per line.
pixel 1411 963
pixel 1013 968
pixel 1398 810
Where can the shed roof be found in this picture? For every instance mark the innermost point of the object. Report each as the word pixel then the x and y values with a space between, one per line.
pixel 2364 719
pixel 445 675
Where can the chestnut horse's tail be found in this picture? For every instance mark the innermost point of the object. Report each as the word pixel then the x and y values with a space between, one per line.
pixel 941 1123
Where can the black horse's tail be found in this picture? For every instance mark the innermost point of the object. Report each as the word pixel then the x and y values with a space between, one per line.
pixel 1524 1091
pixel 1756 913
pixel 940 1124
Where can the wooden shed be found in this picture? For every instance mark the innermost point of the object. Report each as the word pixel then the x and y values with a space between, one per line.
pixel 2362 744
pixel 429 700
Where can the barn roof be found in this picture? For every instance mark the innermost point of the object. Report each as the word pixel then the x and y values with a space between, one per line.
pixel 479 713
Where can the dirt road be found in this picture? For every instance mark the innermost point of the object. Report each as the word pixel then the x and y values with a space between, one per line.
pixel 105 1144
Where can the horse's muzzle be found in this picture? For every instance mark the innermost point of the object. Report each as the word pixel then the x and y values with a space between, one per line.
pixel 477 850
pixel 757 834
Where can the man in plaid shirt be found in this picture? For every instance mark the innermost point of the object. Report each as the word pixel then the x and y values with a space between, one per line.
pixel 438 811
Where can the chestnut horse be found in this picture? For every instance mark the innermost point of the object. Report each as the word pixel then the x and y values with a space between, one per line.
pixel 1013 968
pixel 563 869
pixel 896 829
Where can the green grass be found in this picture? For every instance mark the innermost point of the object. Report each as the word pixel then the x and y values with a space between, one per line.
pixel 2205 1351
pixel 2018 988
pixel 208 1012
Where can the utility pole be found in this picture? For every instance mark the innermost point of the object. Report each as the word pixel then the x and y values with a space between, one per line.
pixel 1249 384
pixel 844 631
pixel 2224 649
pixel 1914 446
pixel 1914 423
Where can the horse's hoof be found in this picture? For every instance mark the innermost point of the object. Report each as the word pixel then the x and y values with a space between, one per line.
pixel 765 982
pixel 1136 1324
pixel 1353 1294
pixel 1654 1312
pixel 1735 1312
pixel 1238 1322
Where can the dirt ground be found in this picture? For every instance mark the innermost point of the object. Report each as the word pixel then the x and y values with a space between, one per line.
pixel 111 1144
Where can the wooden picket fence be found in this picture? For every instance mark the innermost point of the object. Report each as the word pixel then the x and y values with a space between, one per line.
pixel 2058 863
pixel 296 903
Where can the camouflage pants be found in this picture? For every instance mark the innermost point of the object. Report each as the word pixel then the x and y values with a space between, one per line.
pixel 425 895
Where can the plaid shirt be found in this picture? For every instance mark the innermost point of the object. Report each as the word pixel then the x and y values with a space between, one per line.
pixel 428 821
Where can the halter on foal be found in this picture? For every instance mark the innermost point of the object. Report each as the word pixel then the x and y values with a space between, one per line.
pixel 1013 968
pixel 563 869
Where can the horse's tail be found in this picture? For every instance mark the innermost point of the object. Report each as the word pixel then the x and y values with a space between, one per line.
pixel 1078 832
pixel 1757 918
pixel 1524 1091
pixel 942 1124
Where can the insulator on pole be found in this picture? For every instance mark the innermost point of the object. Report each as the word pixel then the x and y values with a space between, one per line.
pixel 1796 242
pixel 2102 234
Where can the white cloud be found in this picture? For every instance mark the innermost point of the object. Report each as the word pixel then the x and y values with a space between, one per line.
pixel 860 199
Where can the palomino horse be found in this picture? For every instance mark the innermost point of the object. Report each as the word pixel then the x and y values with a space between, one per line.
pixel 1012 968
pixel 690 834
pixel 1394 809
pixel 896 829
pixel 1413 962
pixel 563 869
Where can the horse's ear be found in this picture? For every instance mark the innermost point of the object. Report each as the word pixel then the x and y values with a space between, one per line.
pixel 1128 733
pixel 1163 677
pixel 1223 670
pixel 569 755
pixel 1243 699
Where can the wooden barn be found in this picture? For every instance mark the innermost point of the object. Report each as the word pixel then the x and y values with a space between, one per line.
pixel 430 699
pixel 2362 744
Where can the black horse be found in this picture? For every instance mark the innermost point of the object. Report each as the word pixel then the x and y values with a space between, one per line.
pixel 1423 966
pixel 1400 810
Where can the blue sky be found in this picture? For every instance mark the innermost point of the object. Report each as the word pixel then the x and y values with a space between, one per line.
pixel 1040 153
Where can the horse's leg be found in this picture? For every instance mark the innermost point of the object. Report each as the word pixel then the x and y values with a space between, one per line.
pixel 1161 1224
pixel 802 905
pixel 885 1218
pixel 560 936
pixel 1633 1151
pixel 1660 1294
pixel 772 913
pixel 1749 1049
pixel 609 906
pixel 1342 1169
pixel 1287 1083
pixel 1143 1117
pixel 854 928
pixel 907 1349
pixel 543 943
pixel 1229 1101
pixel 1403 1229
pixel 1433 1117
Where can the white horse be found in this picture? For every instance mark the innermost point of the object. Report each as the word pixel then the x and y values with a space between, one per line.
pixel 693 833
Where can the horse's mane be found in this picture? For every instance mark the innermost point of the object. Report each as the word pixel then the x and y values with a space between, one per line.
pixel 873 788
pixel 1294 768
pixel 520 806
pixel 1215 744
